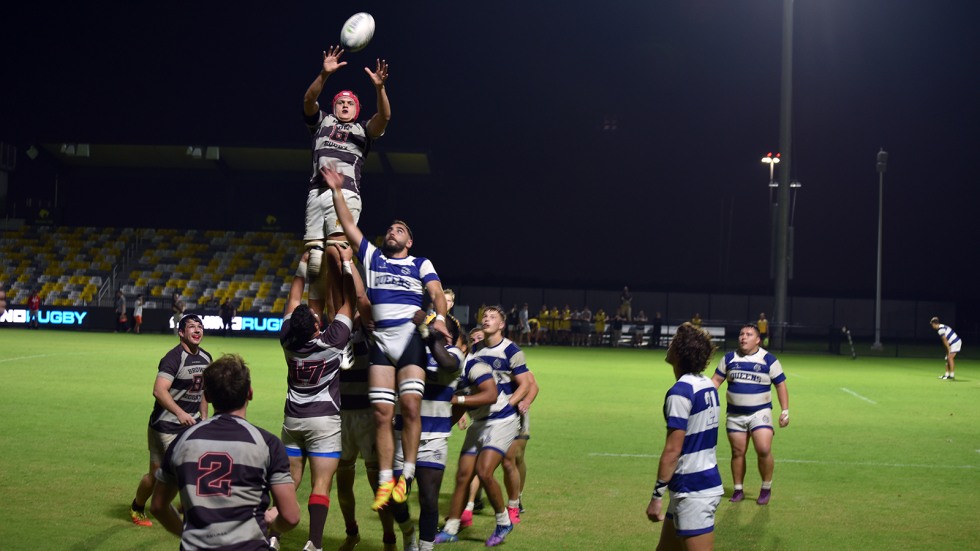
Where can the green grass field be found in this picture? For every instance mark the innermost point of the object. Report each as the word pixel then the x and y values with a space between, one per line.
pixel 880 454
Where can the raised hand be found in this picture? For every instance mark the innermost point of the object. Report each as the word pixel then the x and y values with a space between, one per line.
pixel 334 179
pixel 331 59
pixel 380 74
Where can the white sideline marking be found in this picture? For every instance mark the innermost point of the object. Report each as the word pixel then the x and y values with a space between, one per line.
pixel 856 395
pixel 813 462
pixel 25 358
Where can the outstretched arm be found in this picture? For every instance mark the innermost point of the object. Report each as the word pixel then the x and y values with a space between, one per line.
pixel 335 180
pixel 299 284
pixel 331 62
pixel 376 126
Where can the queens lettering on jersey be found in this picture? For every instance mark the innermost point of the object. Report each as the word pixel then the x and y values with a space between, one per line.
pixel 691 405
pixel 394 285
pixel 183 370
pixel 314 387
pixel 354 385
pixel 344 145
pixel 224 468
pixel 507 361
pixel 750 379
pixel 951 336
pixel 436 409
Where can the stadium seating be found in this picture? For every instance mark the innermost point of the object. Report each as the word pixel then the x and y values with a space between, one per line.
pixel 71 265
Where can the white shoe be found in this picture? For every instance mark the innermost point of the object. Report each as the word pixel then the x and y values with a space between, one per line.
pixel 411 541
pixel 273 544
pixel 944 376
pixel 309 547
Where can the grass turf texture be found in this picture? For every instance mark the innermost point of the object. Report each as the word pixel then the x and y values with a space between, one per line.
pixel 880 454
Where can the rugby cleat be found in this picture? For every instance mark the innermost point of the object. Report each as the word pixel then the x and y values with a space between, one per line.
pixel 515 515
pixel 499 533
pixel 466 519
pixel 399 493
pixel 350 542
pixel 445 537
pixel 737 496
pixel 273 543
pixel 140 519
pixel 383 494
pixel 310 547
pixel 764 497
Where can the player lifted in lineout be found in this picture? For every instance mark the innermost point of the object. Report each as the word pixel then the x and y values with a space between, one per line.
pixel 342 142
pixel 395 282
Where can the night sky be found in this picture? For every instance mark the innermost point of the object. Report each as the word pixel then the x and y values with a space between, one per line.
pixel 512 102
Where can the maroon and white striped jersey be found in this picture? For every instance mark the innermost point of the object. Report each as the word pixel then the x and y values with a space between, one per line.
pixel 314 386
pixel 183 369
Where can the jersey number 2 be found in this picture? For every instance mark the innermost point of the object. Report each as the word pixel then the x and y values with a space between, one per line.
pixel 215 477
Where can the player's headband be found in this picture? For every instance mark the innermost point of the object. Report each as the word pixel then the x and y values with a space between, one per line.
pixel 351 95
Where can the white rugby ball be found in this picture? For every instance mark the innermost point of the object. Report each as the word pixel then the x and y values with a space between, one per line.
pixel 357 31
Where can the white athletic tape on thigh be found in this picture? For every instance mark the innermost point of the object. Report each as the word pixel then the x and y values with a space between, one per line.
pixel 412 386
pixel 381 395
pixel 315 262
pixel 341 244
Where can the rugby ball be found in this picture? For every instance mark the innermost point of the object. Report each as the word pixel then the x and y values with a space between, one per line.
pixel 357 31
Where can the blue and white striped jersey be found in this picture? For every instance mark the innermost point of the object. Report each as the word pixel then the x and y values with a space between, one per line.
pixel 437 408
pixel 750 379
pixel 691 405
pixel 947 331
pixel 394 285
pixel 507 361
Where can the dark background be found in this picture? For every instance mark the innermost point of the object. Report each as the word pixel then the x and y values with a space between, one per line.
pixel 570 144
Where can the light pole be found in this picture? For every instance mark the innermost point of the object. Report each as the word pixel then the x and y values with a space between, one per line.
pixel 772 161
pixel 881 167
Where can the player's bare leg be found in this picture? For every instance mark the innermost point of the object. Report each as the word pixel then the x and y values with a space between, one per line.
pixel 143 492
pixel 514 478
pixel 464 473
pixel 762 440
pixel 739 442
pixel 381 380
pixel 411 385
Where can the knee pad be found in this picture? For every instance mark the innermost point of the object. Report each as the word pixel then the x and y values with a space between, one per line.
pixel 316 258
pixel 412 386
pixel 380 395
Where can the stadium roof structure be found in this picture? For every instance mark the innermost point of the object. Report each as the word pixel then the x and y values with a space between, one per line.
pixel 200 157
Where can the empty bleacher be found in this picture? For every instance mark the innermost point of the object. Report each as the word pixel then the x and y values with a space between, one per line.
pixel 71 265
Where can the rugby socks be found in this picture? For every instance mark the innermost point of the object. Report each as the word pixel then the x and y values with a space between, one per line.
pixel 426 545
pixel 738 487
pixel 503 519
pixel 452 526
pixel 388 538
pixel 514 503
pixel 352 529
pixel 469 506
pixel 409 471
pixel 318 507
pixel 141 509
pixel 386 475
pixel 767 485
